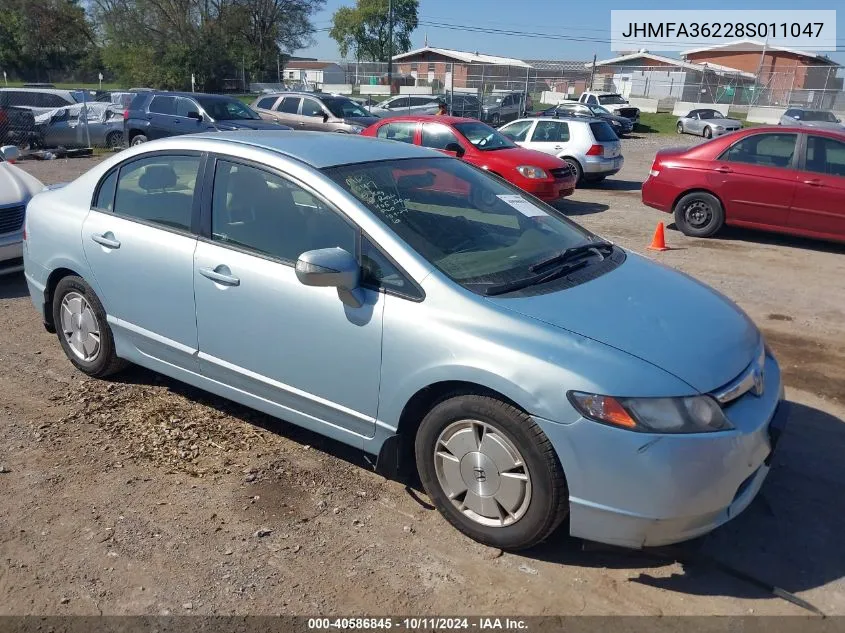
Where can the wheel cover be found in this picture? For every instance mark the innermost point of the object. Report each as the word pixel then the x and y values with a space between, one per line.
pixel 482 473
pixel 137 140
pixel 698 214
pixel 80 327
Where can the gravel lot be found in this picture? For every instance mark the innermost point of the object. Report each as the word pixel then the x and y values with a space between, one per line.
pixel 142 495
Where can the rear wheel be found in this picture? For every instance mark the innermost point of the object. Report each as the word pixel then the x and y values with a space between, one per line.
pixel 699 214
pixel 708 133
pixel 84 333
pixel 491 471
pixel 575 167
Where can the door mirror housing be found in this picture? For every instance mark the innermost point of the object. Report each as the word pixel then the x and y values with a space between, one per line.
pixel 193 114
pixel 10 153
pixel 332 268
pixel 325 117
pixel 456 148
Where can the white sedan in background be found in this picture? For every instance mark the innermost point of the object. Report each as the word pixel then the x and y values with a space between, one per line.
pixel 16 188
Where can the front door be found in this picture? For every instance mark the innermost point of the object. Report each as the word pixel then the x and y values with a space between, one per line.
pixel 139 242
pixel 755 179
pixel 298 352
pixel 313 115
pixel 819 204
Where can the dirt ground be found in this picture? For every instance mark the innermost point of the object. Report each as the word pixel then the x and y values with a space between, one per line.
pixel 144 496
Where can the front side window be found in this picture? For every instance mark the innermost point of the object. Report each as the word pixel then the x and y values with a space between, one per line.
pixel 343 108
pixel 611 99
pixel 551 132
pixel 516 131
pixel 261 211
pixel 825 156
pixel 767 150
pixel 158 189
pixel 437 136
pixel 163 105
pixel 183 106
pixel 311 108
pixel 592 99
pixel 226 109
pixel 396 104
pixel 400 131
pixel 474 228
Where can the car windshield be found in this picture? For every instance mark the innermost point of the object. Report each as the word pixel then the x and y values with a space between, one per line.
pixel 612 99
pixel 476 229
pixel 709 114
pixel 483 136
pixel 599 110
pixel 226 109
pixel 492 99
pixel 344 108
pixel 819 115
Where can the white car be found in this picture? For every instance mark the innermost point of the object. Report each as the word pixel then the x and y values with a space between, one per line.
pixel 16 188
pixel 612 101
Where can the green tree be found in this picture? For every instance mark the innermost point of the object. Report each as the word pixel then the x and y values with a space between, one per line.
pixel 363 30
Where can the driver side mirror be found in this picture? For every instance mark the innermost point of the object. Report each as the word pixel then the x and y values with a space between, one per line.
pixel 10 153
pixel 332 268
pixel 455 148
pixel 193 114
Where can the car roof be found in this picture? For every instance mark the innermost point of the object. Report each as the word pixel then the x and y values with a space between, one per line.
pixel 52 91
pixel 169 93
pixel 430 118
pixel 815 131
pixel 321 149
pixel 565 117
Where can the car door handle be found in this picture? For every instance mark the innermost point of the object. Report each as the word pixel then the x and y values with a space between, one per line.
pixel 300 123
pixel 220 277
pixel 104 240
pixel 558 146
pixel 724 170
pixel 813 182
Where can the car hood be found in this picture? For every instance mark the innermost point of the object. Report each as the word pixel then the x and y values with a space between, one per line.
pixel 615 117
pixel 522 156
pixel 657 314
pixel 16 186
pixel 246 124
pixel 363 121
pixel 723 122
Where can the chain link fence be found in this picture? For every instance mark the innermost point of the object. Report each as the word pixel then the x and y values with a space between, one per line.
pixel 50 122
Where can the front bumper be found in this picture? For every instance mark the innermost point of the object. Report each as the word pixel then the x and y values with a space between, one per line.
pixel 637 489
pixel 11 252
pixel 599 165
pixel 549 189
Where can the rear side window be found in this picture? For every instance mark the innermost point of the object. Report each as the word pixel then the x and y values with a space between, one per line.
pixel 401 102
pixel 602 132
pixel 266 103
pixel 825 156
pixel 137 102
pixel 105 194
pixel 400 131
pixel 47 100
pixel 768 150
pixel 289 105
pixel 158 189
pixel 163 105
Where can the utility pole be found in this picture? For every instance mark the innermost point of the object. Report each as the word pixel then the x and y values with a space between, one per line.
pixel 390 45
pixel 593 72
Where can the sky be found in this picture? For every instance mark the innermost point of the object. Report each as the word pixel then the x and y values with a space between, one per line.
pixel 570 18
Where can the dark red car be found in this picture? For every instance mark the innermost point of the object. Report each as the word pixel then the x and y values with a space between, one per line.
pixel 785 179
pixel 547 177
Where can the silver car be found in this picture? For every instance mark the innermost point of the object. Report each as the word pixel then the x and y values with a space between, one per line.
pixel 430 314
pixel 588 145
pixel 16 188
pixel 93 124
pixel 804 117
pixel 707 122
pixel 403 105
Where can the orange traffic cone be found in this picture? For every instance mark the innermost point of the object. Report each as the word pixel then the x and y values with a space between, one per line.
pixel 658 242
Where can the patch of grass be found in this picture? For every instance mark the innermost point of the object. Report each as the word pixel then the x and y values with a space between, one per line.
pixel 659 123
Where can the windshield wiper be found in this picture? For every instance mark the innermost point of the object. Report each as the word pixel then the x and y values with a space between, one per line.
pixel 533 280
pixel 574 252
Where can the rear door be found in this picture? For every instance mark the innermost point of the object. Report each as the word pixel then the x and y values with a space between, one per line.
pixel 756 178
pixel 287 112
pixel 550 137
pixel 312 115
pixel 819 203
pixel 161 114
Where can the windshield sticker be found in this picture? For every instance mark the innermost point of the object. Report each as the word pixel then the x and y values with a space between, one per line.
pixel 522 205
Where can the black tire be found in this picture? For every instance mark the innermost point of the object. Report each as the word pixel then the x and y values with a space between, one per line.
pixel 708 133
pixel 680 127
pixel 575 166
pixel 699 214
pixel 138 139
pixel 548 504
pixel 106 361
pixel 495 120
pixel 114 139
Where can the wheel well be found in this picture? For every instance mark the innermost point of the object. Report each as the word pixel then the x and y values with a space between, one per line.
pixel 133 134
pixel 678 199
pixel 402 461
pixel 52 281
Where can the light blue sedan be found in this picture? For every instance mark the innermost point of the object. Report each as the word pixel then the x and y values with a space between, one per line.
pixel 413 306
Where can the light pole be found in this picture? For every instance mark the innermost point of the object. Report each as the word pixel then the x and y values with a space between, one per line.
pixel 390 45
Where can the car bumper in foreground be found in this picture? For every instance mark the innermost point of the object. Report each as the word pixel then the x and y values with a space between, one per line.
pixel 637 489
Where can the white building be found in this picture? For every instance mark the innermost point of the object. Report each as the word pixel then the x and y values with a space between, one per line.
pixel 314 72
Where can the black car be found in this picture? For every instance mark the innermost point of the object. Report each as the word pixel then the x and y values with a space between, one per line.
pixel 155 114
pixel 620 124
pixel 17 127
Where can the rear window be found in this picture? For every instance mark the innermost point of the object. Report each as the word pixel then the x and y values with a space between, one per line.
pixel 602 132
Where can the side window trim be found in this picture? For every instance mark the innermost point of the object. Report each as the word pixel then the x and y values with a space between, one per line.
pixel 197 197
pixel 418 293
pixel 204 232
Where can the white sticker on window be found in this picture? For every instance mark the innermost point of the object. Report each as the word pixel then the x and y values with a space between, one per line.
pixel 522 205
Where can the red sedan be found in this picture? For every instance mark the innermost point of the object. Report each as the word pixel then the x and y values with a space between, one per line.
pixel 785 179
pixel 547 177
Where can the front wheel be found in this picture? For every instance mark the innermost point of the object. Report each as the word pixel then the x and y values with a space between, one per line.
pixel 495 120
pixel 575 168
pixel 491 471
pixel 82 328
pixel 138 139
pixel 699 214
pixel 680 127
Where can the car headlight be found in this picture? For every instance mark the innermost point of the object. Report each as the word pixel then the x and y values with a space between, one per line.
pixel 720 127
pixel 692 414
pixel 531 172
